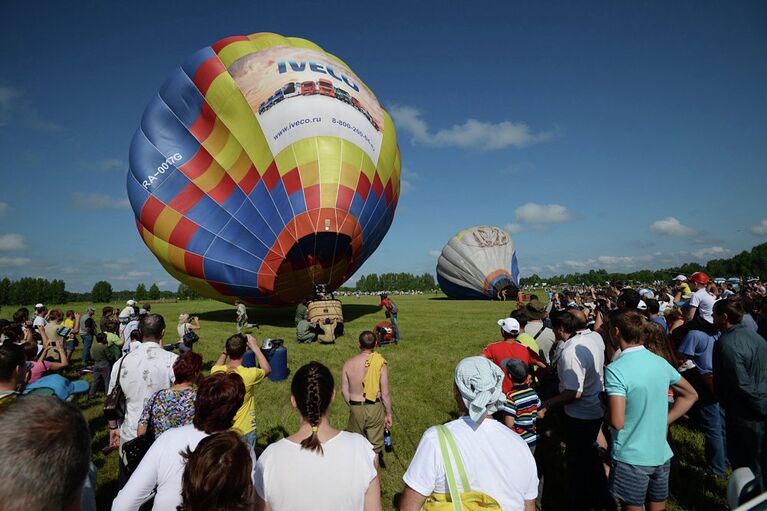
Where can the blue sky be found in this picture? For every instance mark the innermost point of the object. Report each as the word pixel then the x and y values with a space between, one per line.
pixel 608 135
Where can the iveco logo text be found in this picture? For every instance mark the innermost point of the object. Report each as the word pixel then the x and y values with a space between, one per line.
pixel 317 67
pixel 151 178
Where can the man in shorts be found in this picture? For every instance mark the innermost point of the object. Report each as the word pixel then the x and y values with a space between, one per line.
pixel 637 388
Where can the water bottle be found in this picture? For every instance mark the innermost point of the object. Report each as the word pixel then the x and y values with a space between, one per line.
pixel 387 440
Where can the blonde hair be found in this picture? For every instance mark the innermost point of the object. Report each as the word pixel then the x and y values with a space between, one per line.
pixel 183 318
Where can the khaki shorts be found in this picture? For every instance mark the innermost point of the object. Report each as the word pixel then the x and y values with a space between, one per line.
pixel 368 420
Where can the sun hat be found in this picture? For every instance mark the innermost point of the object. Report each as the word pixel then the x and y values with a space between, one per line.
pixel 509 325
pixel 479 381
pixel 535 309
pixel 131 302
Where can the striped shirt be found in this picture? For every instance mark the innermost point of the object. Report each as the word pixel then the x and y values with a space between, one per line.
pixel 522 403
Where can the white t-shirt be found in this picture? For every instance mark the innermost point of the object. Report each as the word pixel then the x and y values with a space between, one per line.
pixel 182 330
pixel 162 467
pixel 705 304
pixel 39 321
pixel 581 368
pixel 291 478
pixel 129 328
pixel 496 459
pixel 545 340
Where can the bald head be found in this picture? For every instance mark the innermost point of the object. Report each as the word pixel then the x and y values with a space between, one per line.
pixel 581 321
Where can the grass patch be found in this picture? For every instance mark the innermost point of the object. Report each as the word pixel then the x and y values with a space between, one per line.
pixel 436 334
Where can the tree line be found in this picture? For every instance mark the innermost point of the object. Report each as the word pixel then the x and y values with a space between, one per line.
pixel 396 282
pixel 747 264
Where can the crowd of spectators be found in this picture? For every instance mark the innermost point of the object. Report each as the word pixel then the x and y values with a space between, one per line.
pixel 604 371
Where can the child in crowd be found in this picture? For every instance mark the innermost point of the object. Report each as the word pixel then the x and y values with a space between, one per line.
pixel 522 402
pixel 102 364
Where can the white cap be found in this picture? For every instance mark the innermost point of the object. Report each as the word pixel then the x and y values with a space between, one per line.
pixel 509 325
pixel 131 302
pixel 641 305
pixel 680 277
pixel 39 306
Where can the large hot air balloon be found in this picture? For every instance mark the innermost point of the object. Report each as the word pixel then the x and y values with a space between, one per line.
pixel 479 263
pixel 262 167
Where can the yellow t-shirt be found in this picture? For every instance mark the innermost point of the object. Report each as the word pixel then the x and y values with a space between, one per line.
pixel 245 419
pixel 69 323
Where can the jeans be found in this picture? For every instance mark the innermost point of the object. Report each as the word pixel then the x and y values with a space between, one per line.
pixel 87 341
pixel 586 477
pixel 746 447
pixel 394 326
pixel 711 420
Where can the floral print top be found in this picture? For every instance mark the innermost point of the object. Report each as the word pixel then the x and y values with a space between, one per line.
pixel 169 409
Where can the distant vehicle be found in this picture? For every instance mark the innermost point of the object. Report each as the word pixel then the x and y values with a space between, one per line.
pixel 289 90
pixel 308 88
pixel 343 95
pixel 263 107
pixel 356 104
pixel 370 118
pixel 326 88
pixel 278 96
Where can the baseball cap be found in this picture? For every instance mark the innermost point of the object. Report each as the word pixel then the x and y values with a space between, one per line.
pixel 61 387
pixel 509 325
pixel 641 305
pixel 39 306
pixel 680 277
pixel 89 310
pixel 130 302
pixel 515 368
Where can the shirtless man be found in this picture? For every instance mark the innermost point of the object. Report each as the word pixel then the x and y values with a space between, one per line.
pixel 365 386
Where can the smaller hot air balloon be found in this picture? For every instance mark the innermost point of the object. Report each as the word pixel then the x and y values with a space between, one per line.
pixel 479 263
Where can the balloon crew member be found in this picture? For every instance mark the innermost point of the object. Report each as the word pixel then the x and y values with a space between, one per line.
pixel 391 310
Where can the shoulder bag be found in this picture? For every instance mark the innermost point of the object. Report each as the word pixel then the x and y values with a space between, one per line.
pixel 467 500
pixel 135 450
pixel 115 405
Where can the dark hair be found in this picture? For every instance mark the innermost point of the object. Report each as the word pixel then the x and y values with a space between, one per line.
pixel 219 396
pixel 733 308
pixel 30 349
pixel 152 326
pixel 533 297
pixel 136 335
pixel 101 338
pixel 13 332
pixel 12 356
pixel 618 284
pixel 52 438
pixel 368 340
pixel 629 323
pixel 218 475
pixel 107 311
pixel 236 346
pixel 653 306
pixel 147 307
pixel 187 367
pixel 521 316
pixel 21 315
pixel 312 388
pixel 657 340
pixel 563 320
pixel 55 315
pixel 629 299
pixel 113 326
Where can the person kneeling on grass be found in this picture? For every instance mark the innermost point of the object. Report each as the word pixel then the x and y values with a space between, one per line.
pixel 637 387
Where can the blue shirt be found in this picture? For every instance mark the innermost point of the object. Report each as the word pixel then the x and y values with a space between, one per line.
pixel 643 378
pixel 660 321
pixel 699 346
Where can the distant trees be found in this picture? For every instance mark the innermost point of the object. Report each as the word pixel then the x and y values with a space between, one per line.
pixel 185 292
pixel 396 282
pixel 141 293
pixel 101 292
pixel 29 290
pixel 154 292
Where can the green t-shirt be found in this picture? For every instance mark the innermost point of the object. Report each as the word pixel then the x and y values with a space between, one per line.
pixel 643 378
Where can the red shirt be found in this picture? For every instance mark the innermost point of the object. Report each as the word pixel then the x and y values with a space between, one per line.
pixel 503 349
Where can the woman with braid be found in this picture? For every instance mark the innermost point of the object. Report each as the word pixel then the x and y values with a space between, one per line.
pixel 318 467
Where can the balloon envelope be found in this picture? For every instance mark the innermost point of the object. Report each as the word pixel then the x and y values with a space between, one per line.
pixel 479 263
pixel 262 167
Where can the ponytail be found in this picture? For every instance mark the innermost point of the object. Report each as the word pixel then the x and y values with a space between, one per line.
pixel 312 388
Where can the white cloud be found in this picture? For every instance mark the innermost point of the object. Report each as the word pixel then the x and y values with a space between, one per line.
pixel 670 226
pixel 472 134
pixel 14 261
pixel 12 242
pixel 133 275
pixel 435 253
pixel 99 201
pixel 4 208
pixel 515 228
pixel 106 165
pixel 14 108
pixel 537 214
pixel 711 252
pixel 407 180
pixel 760 229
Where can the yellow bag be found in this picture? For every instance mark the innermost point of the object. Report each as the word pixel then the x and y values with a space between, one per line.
pixel 467 500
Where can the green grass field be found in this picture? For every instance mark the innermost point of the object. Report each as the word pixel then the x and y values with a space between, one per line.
pixel 436 334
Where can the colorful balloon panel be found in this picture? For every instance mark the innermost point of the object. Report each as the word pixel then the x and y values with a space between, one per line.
pixel 262 167
pixel 479 263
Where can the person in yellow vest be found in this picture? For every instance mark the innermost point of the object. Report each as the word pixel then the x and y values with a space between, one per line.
pixel 365 386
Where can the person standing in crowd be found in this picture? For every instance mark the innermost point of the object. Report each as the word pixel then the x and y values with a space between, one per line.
pixel 637 385
pixel 186 324
pixel 701 302
pixel 234 349
pixel 161 470
pixel 390 311
pixel 365 386
pixel 173 407
pixel 524 338
pixel 241 316
pixel 106 315
pixel 38 366
pixel 740 382
pixel 335 468
pixel 497 461
pixel 102 364
pixel 87 333
pixel 521 409
pixel 510 347
pixel 41 314
pixel 13 372
pixel 218 475
pixel 128 311
pixel 653 312
pixel 580 370
pixel 543 335
pixel 141 373
pixel 126 332
pixel 52 438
